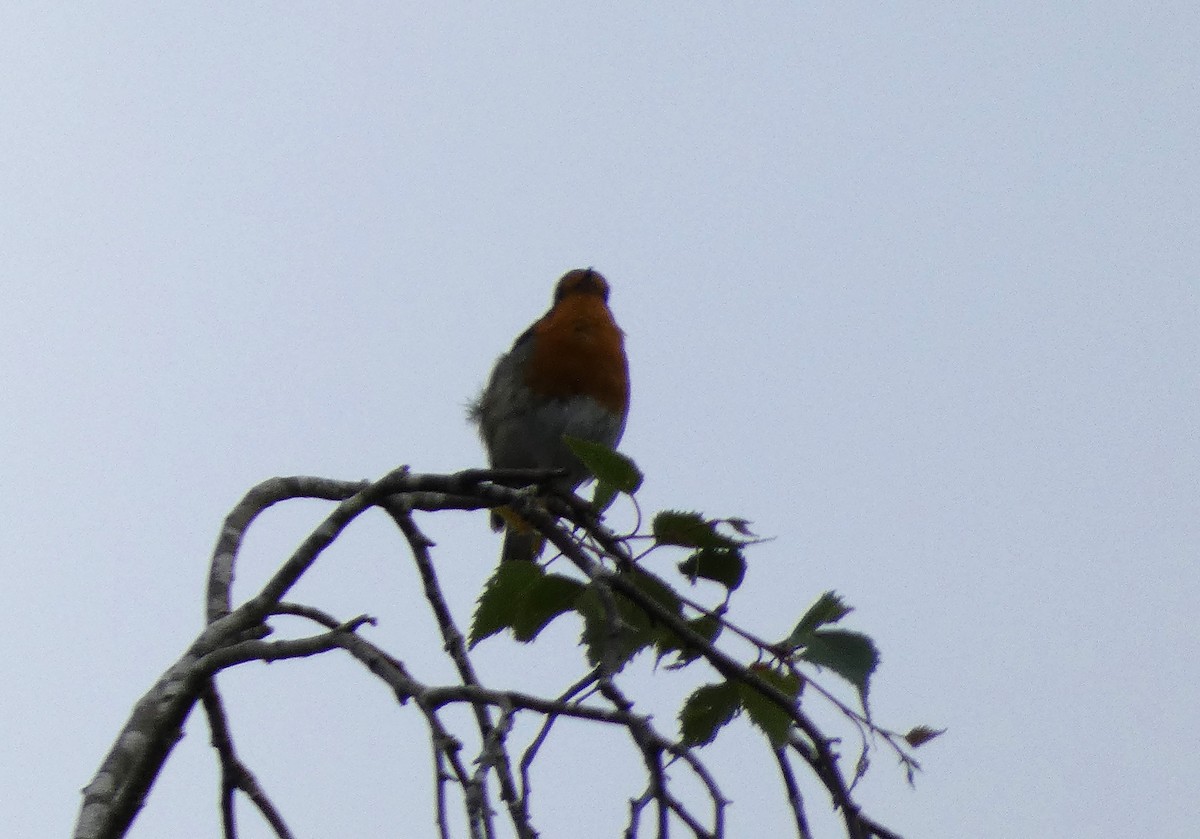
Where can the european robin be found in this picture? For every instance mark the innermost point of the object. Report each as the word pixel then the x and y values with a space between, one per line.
pixel 567 374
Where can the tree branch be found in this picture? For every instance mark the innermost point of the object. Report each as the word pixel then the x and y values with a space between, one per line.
pixel 235 636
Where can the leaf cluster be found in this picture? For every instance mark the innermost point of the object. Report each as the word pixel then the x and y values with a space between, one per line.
pixel 525 597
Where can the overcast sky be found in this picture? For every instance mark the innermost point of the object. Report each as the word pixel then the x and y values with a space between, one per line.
pixel 914 287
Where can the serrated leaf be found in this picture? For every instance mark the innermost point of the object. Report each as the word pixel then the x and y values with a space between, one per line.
pixel 693 530
pixel 829 608
pixel 499 606
pixel 656 588
pixel 922 734
pixel 636 628
pixel 688 530
pixel 771 719
pixel 608 466
pixel 726 566
pixel 706 626
pixel 545 600
pixel 634 631
pixel 851 655
pixel 706 711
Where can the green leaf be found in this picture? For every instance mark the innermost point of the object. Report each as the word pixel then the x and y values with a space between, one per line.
pixel 548 598
pixel 603 496
pixel 706 711
pixel 829 608
pixel 655 587
pixel 667 642
pixel 693 530
pixel 688 530
pixel 608 466
pixel 634 630
pixel 726 566
pixel 851 655
pixel 922 734
pixel 771 719
pixel 500 604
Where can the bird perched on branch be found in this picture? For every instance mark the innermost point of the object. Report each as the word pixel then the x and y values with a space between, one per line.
pixel 567 374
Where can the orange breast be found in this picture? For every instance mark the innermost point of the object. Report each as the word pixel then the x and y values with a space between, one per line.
pixel 580 351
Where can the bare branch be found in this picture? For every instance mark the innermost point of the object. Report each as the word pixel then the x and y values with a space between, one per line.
pixel 236 775
pixel 456 646
pixel 266 494
pixel 793 791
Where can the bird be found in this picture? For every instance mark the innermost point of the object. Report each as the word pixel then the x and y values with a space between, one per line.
pixel 567 374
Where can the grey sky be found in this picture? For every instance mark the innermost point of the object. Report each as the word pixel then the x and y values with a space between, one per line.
pixel 914 287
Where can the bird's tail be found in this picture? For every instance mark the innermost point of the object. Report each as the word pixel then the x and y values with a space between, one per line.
pixel 521 546
pixel 521 541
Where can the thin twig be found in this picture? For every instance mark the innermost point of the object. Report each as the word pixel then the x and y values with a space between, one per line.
pixel 531 751
pixel 440 778
pixel 793 792
pixel 235 774
pixel 456 647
